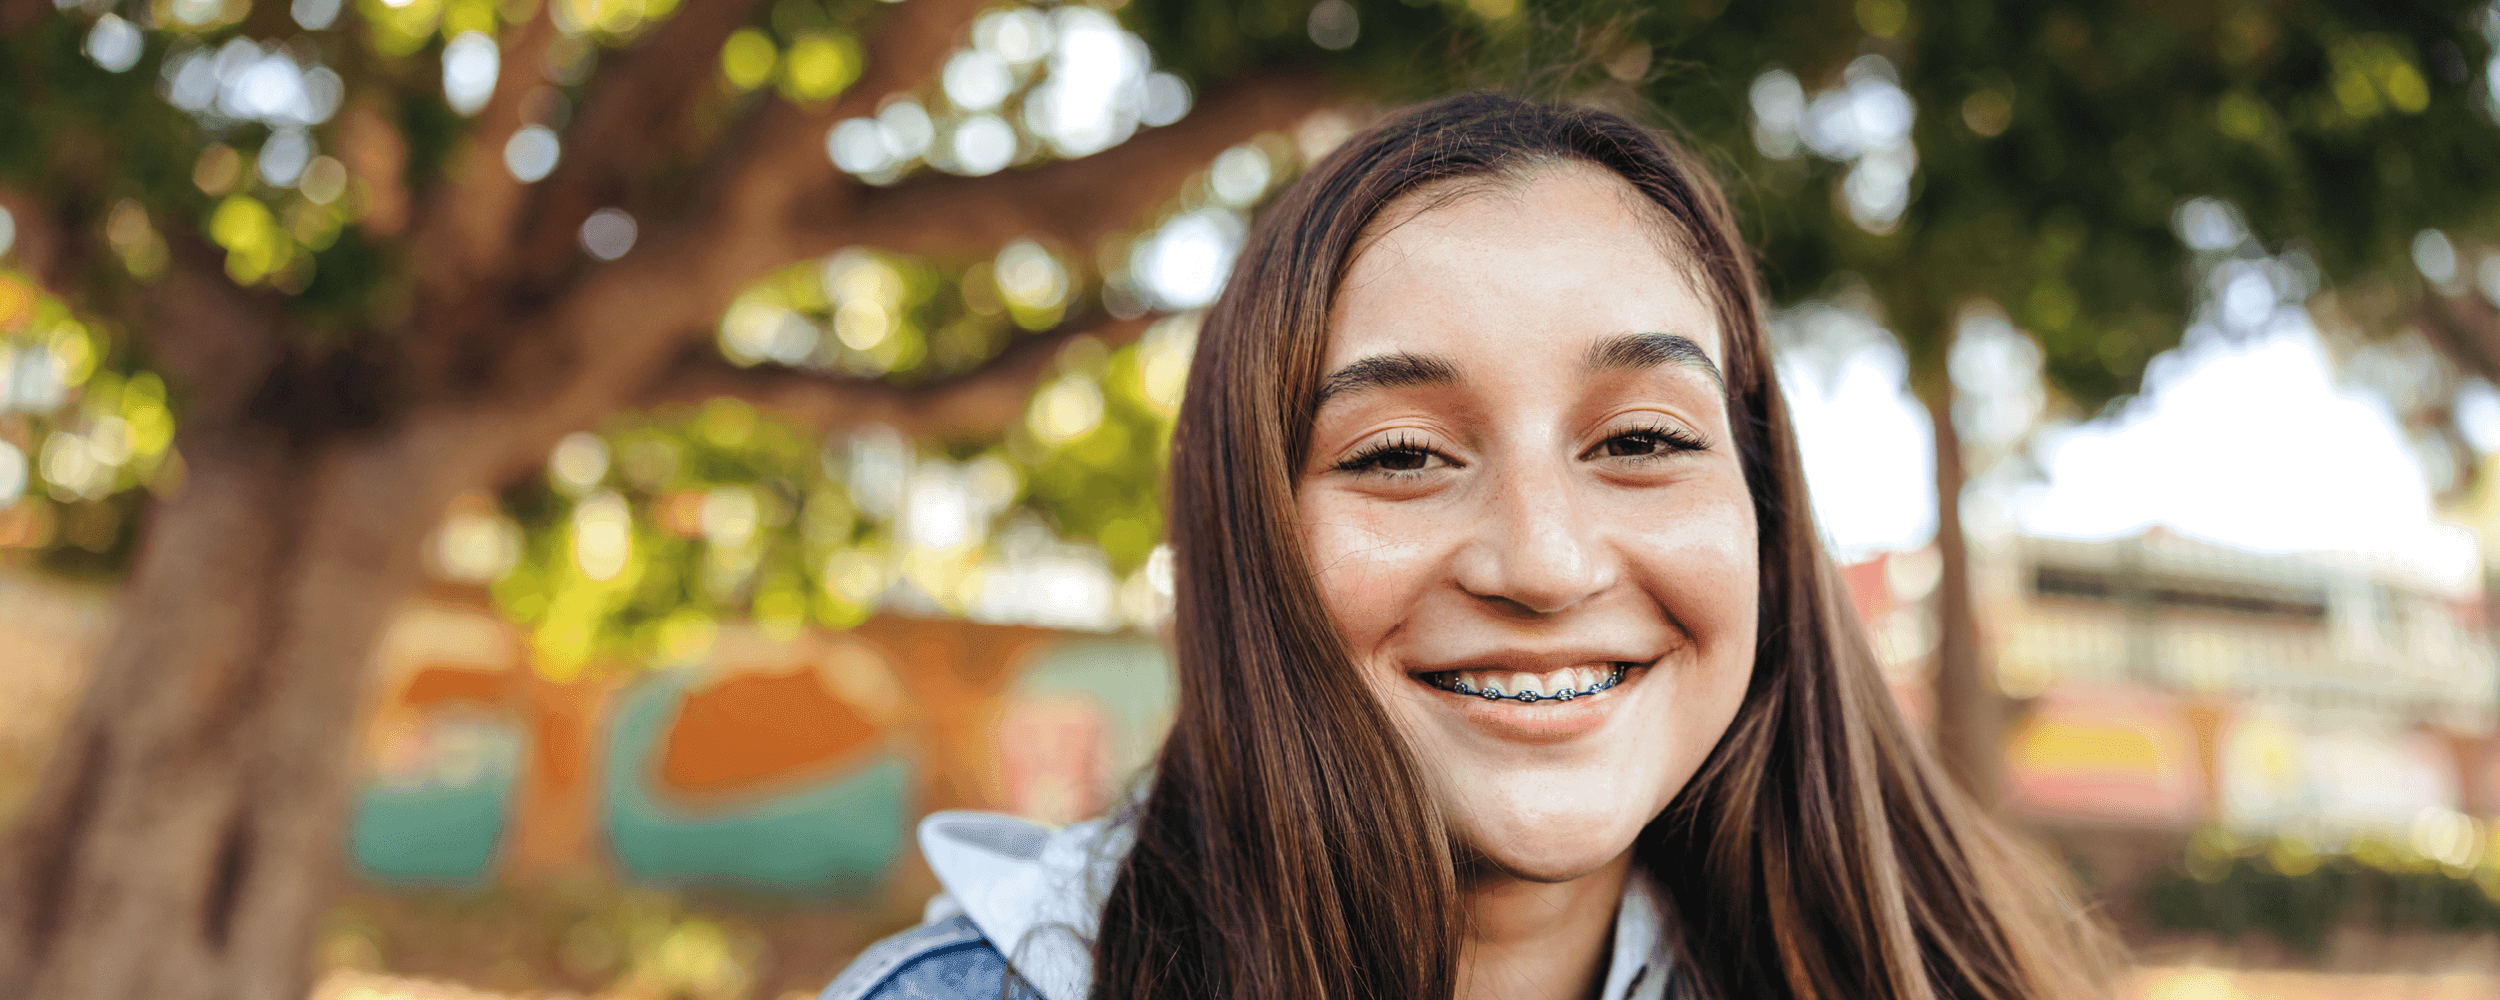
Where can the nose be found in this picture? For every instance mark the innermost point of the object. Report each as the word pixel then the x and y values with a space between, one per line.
pixel 1534 548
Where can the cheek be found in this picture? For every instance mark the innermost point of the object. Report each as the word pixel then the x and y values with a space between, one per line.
pixel 1368 563
pixel 1700 564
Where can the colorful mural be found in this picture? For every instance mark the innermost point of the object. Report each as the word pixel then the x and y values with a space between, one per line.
pixel 761 780
pixel 446 767
pixel 788 765
pixel 1083 720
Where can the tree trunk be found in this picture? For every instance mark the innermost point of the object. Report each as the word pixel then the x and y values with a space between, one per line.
pixel 181 844
pixel 1969 711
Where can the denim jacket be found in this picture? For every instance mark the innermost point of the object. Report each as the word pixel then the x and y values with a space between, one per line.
pixel 1021 903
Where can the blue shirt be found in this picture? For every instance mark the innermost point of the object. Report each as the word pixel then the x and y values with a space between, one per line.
pixel 1015 888
pixel 946 960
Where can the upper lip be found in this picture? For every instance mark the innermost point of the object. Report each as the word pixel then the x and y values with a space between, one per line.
pixel 1533 661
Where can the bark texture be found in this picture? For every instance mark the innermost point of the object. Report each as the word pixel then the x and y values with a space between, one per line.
pixel 1970 713
pixel 179 847
pixel 184 841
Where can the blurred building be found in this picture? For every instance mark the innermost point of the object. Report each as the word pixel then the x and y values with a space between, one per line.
pixel 2165 612
pixel 2163 681
pixel 2160 684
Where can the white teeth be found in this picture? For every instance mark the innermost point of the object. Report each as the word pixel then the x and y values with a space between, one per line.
pixel 1559 685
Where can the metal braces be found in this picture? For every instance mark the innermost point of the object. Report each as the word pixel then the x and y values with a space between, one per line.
pixel 1531 697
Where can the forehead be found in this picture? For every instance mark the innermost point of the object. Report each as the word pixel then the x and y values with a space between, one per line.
pixel 1519 266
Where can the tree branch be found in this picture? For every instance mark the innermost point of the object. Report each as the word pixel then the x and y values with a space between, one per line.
pixel 645 94
pixel 2466 329
pixel 636 99
pixel 983 400
pixel 228 340
pixel 467 235
pixel 214 341
pixel 518 238
pixel 18 15
pixel 622 325
pixel 43 246
pixel 781 155
pixel 1077 202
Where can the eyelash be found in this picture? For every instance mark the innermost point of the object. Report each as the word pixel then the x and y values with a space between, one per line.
pixel 1668 441
pixel 1368 460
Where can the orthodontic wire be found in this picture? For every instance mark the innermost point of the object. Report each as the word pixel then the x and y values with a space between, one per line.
pixel 1530 697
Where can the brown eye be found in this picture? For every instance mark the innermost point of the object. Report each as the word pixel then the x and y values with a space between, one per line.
pixel 1630 445
pixel 1402 460
pixel 1397 457
pixel 1647 443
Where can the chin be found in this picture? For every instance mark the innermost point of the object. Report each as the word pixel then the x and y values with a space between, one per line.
pixel 1549 847
pixel 1546 866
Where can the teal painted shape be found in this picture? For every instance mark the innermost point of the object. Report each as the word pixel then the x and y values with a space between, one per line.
pixel 430 836
pixel 442 827
pixel 1131 678
pixel 839 838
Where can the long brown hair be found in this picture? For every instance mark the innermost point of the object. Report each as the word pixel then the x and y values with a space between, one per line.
pixel 1286 846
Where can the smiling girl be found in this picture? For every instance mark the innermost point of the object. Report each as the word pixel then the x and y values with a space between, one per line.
pixel 1510 664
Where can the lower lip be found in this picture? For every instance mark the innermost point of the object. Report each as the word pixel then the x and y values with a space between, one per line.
pixel 1547 721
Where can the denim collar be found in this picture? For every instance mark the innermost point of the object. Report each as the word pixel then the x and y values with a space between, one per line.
pixel 1037 895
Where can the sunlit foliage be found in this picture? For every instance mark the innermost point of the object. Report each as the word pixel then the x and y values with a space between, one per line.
pixel 82 439
pixel 2068 165
pixel 2298 887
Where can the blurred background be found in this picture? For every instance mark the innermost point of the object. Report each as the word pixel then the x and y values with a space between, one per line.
pixel 535 498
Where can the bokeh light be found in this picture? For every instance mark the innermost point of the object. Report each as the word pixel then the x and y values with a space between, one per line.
pixel 603 536
pixel 977 79
pixel 12 474
pixel 470 65
pixel 324 179
pixel 1240 176
pixel 818 67
pixel 114 43
pixel 242 80
pixel 1029 277
pixel 983 144
pixel 1334 25
pixel 2435 257
pixel 578 463
pixel 1864 123
pixel 531 153
pixel 667 546
pixel 1070 81
pixel 608 233
pixel 475 544
pixel 1164 355
pixel 1066 409
pixel 314 15
pixel 747 58
pixel 1183 264
pixel 283 157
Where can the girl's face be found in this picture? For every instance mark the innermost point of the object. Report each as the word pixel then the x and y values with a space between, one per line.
pixel 1527 514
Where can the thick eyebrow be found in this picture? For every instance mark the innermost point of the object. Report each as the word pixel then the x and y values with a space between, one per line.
pixel 1649 350
pixel 1388 371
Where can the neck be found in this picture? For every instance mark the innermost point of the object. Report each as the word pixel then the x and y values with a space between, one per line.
pixel 1540 940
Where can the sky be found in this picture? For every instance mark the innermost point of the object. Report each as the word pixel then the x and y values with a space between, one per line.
pixel 2244 440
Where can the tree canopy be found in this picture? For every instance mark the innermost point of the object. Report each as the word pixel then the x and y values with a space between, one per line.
pixel 635 314
pixel 2043 159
